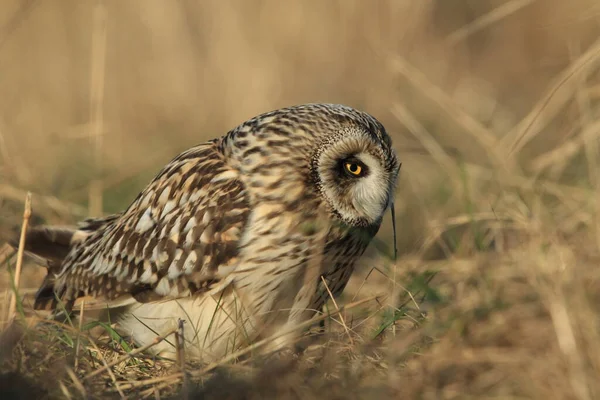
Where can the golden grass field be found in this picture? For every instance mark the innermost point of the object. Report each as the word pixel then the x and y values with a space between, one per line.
pixel 493 107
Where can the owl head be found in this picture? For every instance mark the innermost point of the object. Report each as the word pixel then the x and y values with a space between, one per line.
pixel 355 167
pixel 335 153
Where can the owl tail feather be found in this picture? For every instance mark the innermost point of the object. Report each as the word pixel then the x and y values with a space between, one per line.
pixel 50 245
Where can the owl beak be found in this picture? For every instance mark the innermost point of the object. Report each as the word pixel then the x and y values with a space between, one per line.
pixel 393 211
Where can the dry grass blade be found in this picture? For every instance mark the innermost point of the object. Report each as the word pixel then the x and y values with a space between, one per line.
pixel 133 171
pixel 76 382
pixel 477 132
pixel 4 150
pixel 464 219
pixel 107 369
pixel 497 14
pixel 263 342
pixel 21 250
pixel 591 145
pixel 129 355
pixel 180 343
pixel 65 391
pixel 436 151
pixel 97 103
pixel 568 344
pixel 173 379
pixel 337 309
pixel 155 390
pixel 557 96
pixel 559 156
pixel 77 344
pixel 561 191
pixel 9 337
pixel 64 209
pixel 24 9
pixel 6 251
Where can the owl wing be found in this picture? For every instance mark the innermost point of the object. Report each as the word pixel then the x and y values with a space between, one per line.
pixel 177 237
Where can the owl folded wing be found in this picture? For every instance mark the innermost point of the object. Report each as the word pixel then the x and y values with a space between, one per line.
pixel 179 236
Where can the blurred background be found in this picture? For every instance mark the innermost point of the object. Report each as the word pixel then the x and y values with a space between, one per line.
pixel 98 95
pixel 493 106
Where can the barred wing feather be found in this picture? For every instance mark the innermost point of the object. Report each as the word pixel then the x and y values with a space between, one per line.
pixel 173 239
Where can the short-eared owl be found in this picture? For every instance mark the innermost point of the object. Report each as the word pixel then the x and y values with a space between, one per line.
pixel 233 235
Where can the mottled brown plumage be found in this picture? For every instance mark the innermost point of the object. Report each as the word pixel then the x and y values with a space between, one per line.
pixel 234 235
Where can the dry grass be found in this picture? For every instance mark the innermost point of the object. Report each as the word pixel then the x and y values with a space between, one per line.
pixel 493 106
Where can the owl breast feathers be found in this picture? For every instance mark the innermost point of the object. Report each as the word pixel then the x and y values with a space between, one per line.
pixel 235 235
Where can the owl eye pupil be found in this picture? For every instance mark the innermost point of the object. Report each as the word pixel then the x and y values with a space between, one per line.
pixel 354 169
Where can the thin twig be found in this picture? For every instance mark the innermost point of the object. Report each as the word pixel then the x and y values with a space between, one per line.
pixel 13 300
pixel 81 309
pixel 180 341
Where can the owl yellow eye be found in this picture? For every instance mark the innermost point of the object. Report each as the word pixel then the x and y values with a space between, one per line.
pixel 353 168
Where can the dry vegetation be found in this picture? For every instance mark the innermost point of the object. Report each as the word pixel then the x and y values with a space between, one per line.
pixel 493 105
